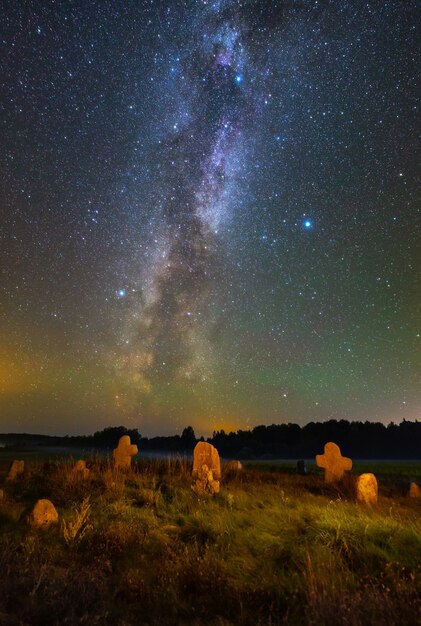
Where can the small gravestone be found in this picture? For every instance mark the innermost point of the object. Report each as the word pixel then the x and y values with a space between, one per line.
pixel 43 514
pixel 333 463
pixel 301 467
pixel 367 488
pixel 233 467
pixel 80 470
pixel 124 452
pixel 205 484
pixel 16 469
pixel 414 491
pixel 205 454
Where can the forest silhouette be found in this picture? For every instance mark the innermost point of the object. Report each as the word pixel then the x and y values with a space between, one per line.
pixel 365 440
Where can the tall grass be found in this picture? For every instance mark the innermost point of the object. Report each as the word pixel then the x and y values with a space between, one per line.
pixel 140 547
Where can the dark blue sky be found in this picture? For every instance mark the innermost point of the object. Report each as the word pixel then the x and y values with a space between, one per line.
pixel 209 214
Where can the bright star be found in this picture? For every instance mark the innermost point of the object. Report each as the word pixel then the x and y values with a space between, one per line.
pixel 121 293
pixel 308 224
pixel 238 78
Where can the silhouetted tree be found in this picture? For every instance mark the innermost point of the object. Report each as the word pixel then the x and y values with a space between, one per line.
pixel 356 439
pixel 188 438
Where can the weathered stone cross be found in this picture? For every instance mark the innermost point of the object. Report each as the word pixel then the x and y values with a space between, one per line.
pixel 333 463
pixel 123 453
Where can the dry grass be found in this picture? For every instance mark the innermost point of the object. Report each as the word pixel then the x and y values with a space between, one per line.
pixel 140 547
pixel 75 529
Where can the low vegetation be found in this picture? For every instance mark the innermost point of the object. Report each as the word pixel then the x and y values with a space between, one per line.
pixel 271 548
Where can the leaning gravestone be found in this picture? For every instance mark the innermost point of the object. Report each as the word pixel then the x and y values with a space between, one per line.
pixel 333 463
pixel 43 514
pixel 205 454
pixel 367 489
pixel 16 469
pixel 124 452
pixel 414 491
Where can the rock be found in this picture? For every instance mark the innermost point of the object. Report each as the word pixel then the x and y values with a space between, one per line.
pixel 43 514
pixel 16 469
pixel 123 453
pixel 205 454
pixel 205 485
pixel 414 491
pixel 333 463
pixel 301 467
pixel 367 489
pixel 80 469
pixel 233 467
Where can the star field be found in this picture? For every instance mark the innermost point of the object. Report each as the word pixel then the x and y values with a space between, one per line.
pixel 209 214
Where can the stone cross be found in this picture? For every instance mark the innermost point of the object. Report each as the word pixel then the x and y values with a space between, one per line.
pixel 123 453
pixel 333 463
pixel 367 489
pixel 205 454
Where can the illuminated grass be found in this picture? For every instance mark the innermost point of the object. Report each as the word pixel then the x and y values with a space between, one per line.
pixel 271 548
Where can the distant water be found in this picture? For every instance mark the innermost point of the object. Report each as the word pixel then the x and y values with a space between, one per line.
pixel 45 453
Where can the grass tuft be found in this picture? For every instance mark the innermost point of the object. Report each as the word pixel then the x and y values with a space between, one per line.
pixel 76 529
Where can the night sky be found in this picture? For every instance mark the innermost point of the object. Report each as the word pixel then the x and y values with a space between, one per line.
pixel 208 214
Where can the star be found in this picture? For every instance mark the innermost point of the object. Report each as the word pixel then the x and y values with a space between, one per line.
pixel 208 185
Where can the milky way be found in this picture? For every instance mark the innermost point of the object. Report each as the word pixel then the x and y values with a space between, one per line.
pixel 209 214
pixel 202 159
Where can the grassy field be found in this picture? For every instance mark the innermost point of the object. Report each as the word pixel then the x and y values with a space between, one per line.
pixel 271 548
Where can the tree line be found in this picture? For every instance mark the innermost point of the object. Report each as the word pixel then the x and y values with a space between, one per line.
pixel 370 440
